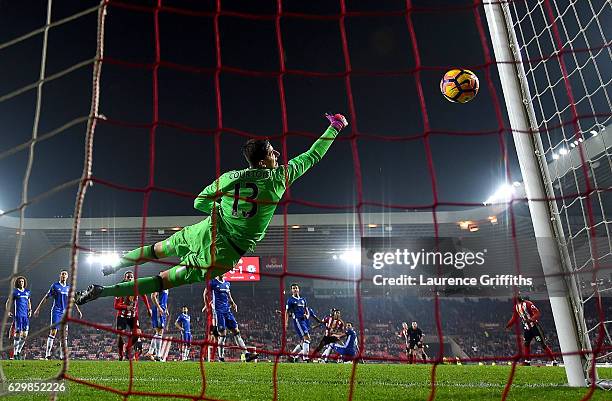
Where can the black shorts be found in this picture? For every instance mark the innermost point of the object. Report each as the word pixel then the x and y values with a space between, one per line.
pixel 123 323
pixel 415 345
pixel 534 332
pixel 329 340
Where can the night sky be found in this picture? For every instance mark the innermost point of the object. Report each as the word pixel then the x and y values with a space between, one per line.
pixel 467 168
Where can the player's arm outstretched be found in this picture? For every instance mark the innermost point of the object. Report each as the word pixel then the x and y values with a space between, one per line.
pixel 312 314
pixel 42 302
pixel 303 162
pixel 512 320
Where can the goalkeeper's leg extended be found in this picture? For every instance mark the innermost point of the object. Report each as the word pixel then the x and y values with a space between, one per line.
pixel 196 238
pixel 195 268
pixel 160 250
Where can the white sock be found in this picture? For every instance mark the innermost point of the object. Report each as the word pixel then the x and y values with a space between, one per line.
pixel 240 342
pixel 221 347
pixel 50 340
pixel 306 349
pixel 326 353
pixel 209 355
pixel 16 342
pixel 186 353
pixel 160 345
pixel 155 345
pixel 21 343
pixel 297 349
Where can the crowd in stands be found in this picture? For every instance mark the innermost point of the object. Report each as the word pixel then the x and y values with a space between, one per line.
pixel 476 325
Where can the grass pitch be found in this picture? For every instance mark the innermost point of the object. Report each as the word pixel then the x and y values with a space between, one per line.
pixel 302 382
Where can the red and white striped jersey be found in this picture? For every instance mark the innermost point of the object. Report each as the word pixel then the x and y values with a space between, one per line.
pixel 123 303
pixel 527 312
pixel 333 325
pixel 405 335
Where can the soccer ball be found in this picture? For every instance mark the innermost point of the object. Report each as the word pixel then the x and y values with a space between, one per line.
pixel 459 86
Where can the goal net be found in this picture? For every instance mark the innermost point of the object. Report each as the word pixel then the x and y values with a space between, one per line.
pixel 173 61
pixel 562 51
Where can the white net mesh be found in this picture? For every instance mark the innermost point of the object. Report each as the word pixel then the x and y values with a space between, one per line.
pixel 565 48
pixel 20 88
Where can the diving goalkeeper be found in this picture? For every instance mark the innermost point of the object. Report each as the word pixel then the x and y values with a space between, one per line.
pixel 241 205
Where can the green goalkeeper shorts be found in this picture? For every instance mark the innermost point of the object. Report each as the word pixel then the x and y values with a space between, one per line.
pixel 193 246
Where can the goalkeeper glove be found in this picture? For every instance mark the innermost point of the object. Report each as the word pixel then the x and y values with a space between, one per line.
pixel 338 121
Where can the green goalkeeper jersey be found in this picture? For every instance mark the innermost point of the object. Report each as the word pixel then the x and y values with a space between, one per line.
pixel 248 198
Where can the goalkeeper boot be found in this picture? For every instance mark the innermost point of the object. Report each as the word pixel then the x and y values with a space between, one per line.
pixel 251 356
pixel 92 292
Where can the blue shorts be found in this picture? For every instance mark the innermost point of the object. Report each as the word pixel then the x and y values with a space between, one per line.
pixel 302 327
pixel 186 337
pixel 22 323
pixel 225 319
pixel 344 351
pixel 157 321
pixel 56 318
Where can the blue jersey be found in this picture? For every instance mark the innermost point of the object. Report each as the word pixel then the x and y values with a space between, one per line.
pixel 185 321
pixel 351 340
pixel 162 298
pixel 220 295
pixel 60 296
pixel 20 301
pixel 297 307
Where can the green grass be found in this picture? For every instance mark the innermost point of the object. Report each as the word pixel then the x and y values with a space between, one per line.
pixel 304 382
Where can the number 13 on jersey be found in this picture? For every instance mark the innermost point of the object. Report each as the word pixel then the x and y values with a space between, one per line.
pixel 252 197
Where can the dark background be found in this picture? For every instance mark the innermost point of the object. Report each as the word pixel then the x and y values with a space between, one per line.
pixel 467 168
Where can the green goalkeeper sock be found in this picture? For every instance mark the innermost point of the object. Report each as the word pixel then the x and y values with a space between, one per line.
pixel 146 285
pixel 130 258
pixel 178 276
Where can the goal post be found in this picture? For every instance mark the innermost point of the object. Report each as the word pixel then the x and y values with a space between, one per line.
pixel 552 235
pixel 565 299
